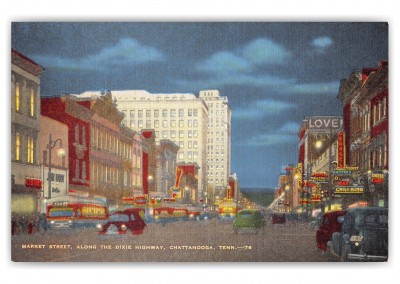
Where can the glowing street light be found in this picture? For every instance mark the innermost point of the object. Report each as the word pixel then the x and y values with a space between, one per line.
pixel 60 153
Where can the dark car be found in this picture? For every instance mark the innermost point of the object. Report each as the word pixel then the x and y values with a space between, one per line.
pixel 249 219
pixel 122 221
pixel 278 218
pixel 364 235
pixel 329 225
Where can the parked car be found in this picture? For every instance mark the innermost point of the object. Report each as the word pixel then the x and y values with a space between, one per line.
pixel 121 221
pixel 364 235
pixel 278 218
pixel 329 225
pixel 249 219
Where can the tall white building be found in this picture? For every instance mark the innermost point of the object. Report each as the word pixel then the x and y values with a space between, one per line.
pixel 181 118
pixel 218 138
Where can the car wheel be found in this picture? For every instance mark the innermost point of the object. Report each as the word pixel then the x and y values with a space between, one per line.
pixel 344 252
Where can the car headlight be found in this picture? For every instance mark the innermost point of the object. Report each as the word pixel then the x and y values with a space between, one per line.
pixel 99 227
pixel 205 218
pixel 70 221
pixel 123 227
pixel 191 215
pixel 52 222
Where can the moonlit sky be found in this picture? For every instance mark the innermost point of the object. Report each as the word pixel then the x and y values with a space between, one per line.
pixel 274 74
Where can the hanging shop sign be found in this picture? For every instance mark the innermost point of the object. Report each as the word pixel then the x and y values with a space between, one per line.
pixel 316 198
pixel 299 174
pixel 377 178
pixel 341 151
pixel 320 177
pixel 33 183
pixel 349 190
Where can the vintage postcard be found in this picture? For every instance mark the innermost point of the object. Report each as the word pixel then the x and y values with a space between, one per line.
pixel 199 141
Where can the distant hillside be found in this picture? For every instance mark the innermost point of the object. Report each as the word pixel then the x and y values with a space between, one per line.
pixel 260 196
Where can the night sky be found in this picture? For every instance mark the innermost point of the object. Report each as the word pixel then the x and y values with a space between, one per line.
pixel 274 74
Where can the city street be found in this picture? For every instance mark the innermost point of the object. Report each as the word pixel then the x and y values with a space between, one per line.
pixel 184 241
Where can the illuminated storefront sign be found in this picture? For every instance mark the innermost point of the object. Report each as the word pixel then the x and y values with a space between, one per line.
pixel 299 174
pixel 320 177
pixel 349 190
pixel 316 198
pixel 324 123
pixel 341 152
pixel 33 183
pixel 377 178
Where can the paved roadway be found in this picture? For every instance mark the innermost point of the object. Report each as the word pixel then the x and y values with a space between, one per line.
pixel 209 241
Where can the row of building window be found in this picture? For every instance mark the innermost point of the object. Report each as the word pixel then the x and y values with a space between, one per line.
pixel 365 157
pixel 217 147
pixel 18 100
pixel 216 181
pixel 379 111
pixel 216 174
pixel 109 175
pixel 189 155
pixel 173 134
pixel 156 123
pixel 107 142
pixel 30 148
pixel 164 113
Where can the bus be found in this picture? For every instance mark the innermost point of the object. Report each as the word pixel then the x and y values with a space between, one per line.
pixel 227 210
pixel 70 212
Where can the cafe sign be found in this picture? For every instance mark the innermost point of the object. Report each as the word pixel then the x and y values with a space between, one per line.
pixel 377 178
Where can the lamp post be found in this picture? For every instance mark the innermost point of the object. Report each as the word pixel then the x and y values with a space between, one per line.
pixel 50 147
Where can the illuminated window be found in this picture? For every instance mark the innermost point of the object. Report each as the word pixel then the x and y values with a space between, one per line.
pixel 17 147
pixel 17 98
pixel 32 103
pixel 30 150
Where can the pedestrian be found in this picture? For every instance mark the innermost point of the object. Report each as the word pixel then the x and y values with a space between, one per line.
pixel 42 223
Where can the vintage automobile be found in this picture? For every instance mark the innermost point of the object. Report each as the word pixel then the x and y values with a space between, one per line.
pixel 249 219
pixel 278 218
pixel 329 225
pixel 364 235
pixel 121 221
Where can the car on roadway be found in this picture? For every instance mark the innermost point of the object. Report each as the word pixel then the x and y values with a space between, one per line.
pixel 120 222
pixel 249 219
pixel 278 218
pixel 364 235
pixel 329 225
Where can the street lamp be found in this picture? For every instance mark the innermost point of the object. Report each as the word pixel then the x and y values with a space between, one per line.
pixel 50 146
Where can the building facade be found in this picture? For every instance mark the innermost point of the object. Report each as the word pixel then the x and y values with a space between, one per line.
pixel 25 125
pixel 77 118
pixel 50 131
pixel 365 100
pixel 317 159
pixel 100 149
pixel 166 166
pixel 181 118
pixel 218 137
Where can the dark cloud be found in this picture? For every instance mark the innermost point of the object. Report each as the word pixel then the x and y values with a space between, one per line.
pixel 274 74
